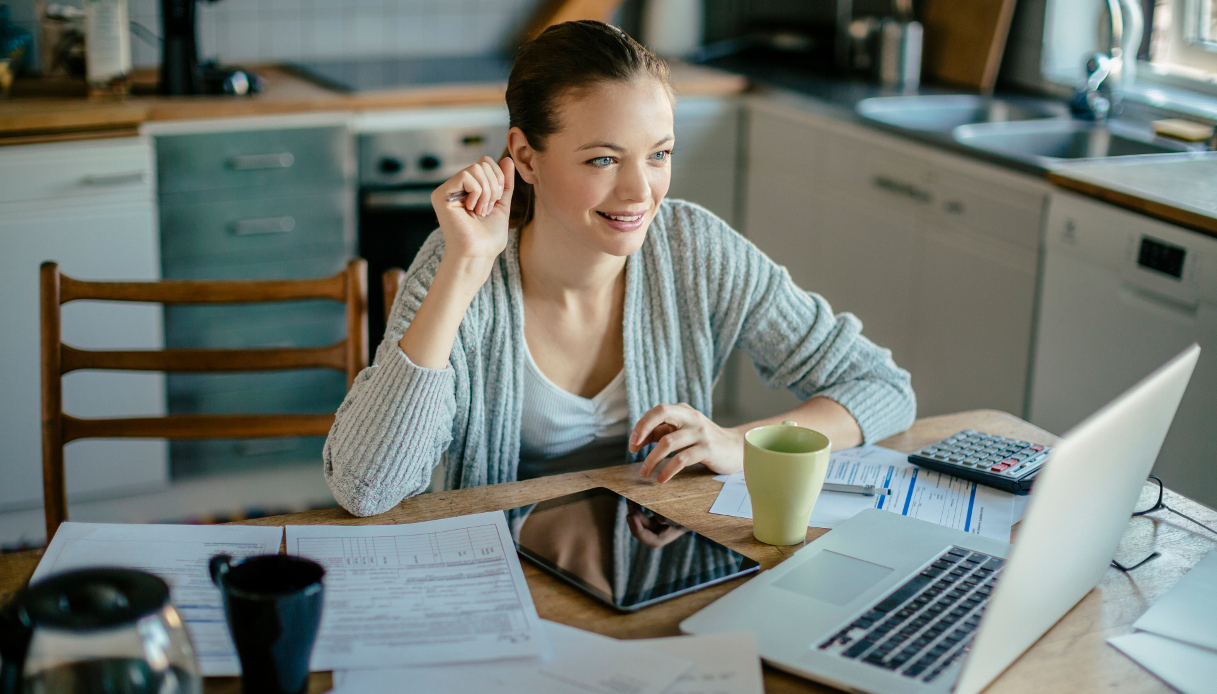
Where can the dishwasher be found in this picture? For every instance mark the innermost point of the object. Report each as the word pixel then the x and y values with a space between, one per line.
pixel 1120 294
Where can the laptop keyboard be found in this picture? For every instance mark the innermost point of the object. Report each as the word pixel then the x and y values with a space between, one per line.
pixel 928 622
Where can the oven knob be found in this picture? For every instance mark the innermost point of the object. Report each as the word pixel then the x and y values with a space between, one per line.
pixel 428 162
pixel 390 165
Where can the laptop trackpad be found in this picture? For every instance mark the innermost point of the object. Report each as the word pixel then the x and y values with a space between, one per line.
pixel 833 578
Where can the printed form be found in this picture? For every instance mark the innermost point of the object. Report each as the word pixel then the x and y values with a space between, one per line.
pixel 179 555
pixel 916 492
pixel 440 591
pixel 583 663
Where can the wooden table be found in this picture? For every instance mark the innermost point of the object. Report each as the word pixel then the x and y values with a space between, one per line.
pixel 1071 657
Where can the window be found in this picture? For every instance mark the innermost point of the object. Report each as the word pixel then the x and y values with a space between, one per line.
pixel 1182 39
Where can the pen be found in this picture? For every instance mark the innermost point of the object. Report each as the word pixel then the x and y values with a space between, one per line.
pixel 865 489
pixel 461 195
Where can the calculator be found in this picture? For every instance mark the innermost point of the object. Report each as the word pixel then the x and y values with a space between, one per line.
pixel 1007 464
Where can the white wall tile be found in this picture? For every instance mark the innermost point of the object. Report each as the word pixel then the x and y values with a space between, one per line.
pixel 286 30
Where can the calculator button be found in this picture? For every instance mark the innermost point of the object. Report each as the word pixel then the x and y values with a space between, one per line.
pixel 956 458
pixel 1000 467
pixel 1037 447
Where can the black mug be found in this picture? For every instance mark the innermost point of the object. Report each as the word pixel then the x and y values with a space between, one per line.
pixel 273 604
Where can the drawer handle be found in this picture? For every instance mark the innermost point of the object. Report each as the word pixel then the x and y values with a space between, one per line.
pixel 250 162
pixel 269 225
pixel 891 185
pixel 118 179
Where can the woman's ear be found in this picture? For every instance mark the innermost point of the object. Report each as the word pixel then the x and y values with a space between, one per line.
pixel 522 154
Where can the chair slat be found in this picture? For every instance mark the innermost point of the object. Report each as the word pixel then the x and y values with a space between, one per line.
pixel 204 291
pixel 197 360
pixel 199 426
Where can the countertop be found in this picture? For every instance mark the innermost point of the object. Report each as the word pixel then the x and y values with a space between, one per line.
pixel 1177 188
pixel 27 119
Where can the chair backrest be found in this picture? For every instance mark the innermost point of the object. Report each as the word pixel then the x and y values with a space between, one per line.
pixel 350 355
pixel 391 280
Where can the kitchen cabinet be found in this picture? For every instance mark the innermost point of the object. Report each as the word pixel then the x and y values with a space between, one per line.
pixel 90 206
pixel 935 253
pixel 1123 293
pixel 705 159
pixel 261 198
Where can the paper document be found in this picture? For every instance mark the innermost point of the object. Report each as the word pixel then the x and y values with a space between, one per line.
pixel 178 554
pixel 440 591
pixel 1188 611
pixel 722 663
pixel 582 663
pixel 916 492
pixel 1186 668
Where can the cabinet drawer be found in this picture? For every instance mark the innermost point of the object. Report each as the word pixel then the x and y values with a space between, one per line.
pixel 115 169
pixel 265 228
pixel 1000 212
pixel 296 324
pixel 316 391
pixel 259 158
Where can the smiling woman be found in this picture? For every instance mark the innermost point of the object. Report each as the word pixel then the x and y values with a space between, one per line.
pixel 566 316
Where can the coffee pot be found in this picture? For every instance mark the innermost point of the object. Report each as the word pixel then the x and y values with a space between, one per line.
pixel 96 630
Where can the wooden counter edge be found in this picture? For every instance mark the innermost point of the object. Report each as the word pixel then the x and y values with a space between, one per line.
pixel 1158 210
pixel 51 120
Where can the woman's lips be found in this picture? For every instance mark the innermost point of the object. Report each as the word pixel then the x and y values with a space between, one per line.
pixel 623 221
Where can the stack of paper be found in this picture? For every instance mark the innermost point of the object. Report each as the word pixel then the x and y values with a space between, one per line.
pixel 440 591
pixel 916 492
pixel 585 663
pixel 1176 639
pixel 442 605
pixel 178 554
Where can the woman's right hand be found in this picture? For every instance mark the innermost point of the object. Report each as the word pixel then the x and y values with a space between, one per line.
pixel 475 228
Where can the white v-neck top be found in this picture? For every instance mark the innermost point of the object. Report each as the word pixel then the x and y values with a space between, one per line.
pixel 555 423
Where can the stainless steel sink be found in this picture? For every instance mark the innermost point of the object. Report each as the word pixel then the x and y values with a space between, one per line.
pixel 1045 142
pixel 943 113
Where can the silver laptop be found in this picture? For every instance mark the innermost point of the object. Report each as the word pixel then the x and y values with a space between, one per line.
pixel 890 604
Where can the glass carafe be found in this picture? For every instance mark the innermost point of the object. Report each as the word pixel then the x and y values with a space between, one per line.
pixel 93 631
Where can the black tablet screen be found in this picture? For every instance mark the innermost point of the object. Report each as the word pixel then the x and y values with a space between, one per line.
pixel 619 551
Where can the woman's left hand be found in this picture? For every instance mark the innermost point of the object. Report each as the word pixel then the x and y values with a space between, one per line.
pixel 691 436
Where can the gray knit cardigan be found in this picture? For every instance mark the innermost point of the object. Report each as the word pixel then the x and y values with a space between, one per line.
pixel 695 290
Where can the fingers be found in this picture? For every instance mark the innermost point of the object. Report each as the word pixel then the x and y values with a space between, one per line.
pixel 494 185
pixel 673 442
pixel 508 166
pixel 476 202
pixel 689 456
pixel 484 183
pixel 674 415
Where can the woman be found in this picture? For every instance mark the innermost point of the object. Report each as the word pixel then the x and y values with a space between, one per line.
pixel 564 303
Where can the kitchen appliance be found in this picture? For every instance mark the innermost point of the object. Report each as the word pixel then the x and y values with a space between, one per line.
pixel 401 160
pixel 96 630
pixel 181 72
pixel 1120 294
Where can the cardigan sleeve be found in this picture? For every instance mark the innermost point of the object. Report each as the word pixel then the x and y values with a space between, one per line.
pixel 795 340
pixel 396 421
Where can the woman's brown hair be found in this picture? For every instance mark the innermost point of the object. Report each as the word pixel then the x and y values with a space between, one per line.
pixel 565 58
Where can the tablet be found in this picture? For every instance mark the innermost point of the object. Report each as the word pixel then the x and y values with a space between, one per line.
pixel 620 552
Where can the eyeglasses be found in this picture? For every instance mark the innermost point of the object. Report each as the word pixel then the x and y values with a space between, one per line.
pixel 1149 501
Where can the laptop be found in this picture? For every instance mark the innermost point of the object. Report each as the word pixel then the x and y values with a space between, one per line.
pixel 888 604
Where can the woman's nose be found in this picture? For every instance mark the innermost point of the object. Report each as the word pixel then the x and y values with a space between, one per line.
pixel 634 186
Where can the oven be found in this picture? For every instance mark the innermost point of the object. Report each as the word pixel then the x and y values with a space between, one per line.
pixel 402 157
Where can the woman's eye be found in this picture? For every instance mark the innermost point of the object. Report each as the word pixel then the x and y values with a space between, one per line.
pixel 662 155
pixel 600 161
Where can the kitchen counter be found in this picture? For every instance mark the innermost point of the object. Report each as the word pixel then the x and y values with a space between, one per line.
pixel 1177 188
pixel 48 118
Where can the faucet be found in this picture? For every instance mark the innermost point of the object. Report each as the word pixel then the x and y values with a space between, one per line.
pixel 1108 74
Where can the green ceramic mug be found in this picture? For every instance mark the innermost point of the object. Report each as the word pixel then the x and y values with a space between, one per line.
pixel 784 467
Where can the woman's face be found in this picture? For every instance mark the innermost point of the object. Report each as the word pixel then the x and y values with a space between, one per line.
pixel 604 173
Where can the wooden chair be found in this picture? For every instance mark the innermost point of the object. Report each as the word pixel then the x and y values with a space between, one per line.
pixel 391 280
pixel 349 355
